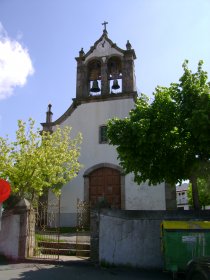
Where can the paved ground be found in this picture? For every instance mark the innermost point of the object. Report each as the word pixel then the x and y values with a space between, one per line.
pixel 74 268
pixel 81 237
pixel 79 271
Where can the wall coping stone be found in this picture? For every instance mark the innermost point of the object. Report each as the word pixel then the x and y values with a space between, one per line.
pixel 157 214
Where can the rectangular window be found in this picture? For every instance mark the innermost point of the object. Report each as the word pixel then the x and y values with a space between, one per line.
pixel 103 134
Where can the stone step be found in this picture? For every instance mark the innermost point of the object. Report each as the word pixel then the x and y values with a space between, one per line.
pixel 64 245
pixel 64 248
pixel 65 252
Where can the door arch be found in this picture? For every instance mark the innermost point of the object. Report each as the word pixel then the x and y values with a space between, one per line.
pixel 105 182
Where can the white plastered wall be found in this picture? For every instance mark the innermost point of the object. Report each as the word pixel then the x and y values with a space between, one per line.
pixel 87 118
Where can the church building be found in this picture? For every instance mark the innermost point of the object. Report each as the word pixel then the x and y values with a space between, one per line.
pixel 105 88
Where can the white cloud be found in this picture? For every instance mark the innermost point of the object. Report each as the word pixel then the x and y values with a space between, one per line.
pixel 15 64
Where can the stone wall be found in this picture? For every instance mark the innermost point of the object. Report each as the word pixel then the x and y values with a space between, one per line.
pixel 9 235
pixel 133 238
pixel 94 235
pixel 14 233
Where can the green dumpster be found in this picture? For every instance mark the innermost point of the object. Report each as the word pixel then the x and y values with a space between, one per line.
pixel 182 241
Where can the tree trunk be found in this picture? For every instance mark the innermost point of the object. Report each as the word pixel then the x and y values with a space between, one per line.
pixel 195 196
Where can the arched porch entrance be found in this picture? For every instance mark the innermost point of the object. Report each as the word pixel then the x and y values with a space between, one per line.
pixel 104 183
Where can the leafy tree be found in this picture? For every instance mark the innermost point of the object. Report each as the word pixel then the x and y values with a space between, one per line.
pixel 168 139
pixel 38 162
pixel 203 191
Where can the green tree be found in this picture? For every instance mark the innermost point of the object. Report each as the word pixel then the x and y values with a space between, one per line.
pixel 203 191
pixel 168 139
pixel 36 162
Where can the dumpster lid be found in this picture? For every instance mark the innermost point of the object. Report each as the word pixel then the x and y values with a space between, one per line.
pixel 186 224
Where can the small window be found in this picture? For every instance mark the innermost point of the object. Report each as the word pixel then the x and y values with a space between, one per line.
pixel 103 134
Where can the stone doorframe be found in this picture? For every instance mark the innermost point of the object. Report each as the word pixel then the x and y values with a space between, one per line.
pixel 101 165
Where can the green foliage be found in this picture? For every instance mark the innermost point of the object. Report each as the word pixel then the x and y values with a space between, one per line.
pixel 203 191
pixel 37 162
pixel 65 230
pixel 168 139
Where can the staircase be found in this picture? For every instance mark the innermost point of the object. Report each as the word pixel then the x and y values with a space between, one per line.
pixel 65 248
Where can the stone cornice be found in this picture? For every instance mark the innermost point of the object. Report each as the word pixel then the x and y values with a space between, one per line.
pixel 97 98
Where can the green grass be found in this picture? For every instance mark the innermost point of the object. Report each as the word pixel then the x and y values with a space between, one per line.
pixel 62 230
pixel 45 238
pixel 69 229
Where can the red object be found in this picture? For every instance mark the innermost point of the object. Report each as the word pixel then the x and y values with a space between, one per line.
pixel 4 190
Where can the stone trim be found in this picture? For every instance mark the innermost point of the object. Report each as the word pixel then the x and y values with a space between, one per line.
pixel 90 99
pixel 101 138
pixel 170 197
pixel 101 165
pixel 103 37
pixel 108 97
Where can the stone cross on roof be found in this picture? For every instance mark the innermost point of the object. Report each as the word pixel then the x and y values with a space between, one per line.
pixel 105 23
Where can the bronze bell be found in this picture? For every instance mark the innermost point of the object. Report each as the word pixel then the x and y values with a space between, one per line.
pixel 115 85
pixel 95 87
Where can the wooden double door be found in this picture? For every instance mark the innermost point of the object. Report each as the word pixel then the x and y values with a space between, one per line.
pixel 105 187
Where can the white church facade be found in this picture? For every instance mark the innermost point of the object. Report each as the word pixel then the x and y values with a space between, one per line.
pixel 105 89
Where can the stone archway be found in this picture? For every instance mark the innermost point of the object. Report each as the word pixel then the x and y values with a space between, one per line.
pixel 105 182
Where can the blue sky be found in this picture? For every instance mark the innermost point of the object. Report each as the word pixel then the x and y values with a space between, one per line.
pixel 39 40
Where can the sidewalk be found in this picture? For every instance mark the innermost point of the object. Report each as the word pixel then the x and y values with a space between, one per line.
pixel 34 271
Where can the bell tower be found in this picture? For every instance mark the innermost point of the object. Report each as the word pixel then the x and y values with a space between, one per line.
pixel 105 70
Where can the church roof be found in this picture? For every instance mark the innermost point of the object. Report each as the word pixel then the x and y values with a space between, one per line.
pixel 104 38
pixel 77 103
pixel 104 46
